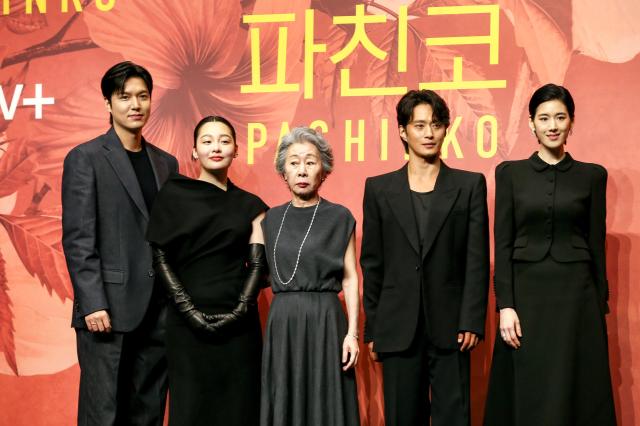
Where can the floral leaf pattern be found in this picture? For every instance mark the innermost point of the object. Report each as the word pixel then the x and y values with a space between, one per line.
pixel 592 35
pixel 383 73
pixel 437 65
pixel 37 240
pixel 7 345
pixel 535 29
pixel 16 168
pixel 21 23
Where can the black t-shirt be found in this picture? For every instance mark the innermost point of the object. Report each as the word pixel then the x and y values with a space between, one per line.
pixel 422 202
pixel 144 173
pixel 422 207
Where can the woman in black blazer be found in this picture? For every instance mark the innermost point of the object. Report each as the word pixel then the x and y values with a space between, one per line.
pixel 550 361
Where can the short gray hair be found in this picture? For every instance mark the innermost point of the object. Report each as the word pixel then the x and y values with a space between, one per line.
pixel 305 134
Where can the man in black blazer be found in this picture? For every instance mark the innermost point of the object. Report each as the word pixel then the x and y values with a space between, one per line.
pixel 425 262
pixel 108 187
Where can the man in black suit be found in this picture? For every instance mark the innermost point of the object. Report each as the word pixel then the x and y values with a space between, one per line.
pixel 425 262
pixel 108 187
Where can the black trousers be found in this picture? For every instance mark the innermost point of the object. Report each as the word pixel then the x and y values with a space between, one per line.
pixel 410 375
pixel 123 376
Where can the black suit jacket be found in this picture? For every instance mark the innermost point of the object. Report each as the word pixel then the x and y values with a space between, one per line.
pixel 104 220
pixel 453 269
pixel 557 210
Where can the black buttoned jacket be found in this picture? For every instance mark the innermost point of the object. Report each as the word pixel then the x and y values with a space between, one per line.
pixel 545 210
pixel 452 268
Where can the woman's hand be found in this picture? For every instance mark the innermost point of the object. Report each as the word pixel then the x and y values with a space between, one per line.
pixel 510 327
pixel 350 351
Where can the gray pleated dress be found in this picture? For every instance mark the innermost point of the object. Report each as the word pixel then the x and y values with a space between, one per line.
pixel 302 378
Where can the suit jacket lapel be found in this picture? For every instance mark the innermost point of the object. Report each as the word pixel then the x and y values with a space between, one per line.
pixel 159 166
pixel 445 194
pixel 117 157
pixel 399 198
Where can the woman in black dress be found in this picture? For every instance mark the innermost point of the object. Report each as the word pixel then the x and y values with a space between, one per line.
pixel 550 362
pixel 209 252
pixel 310 347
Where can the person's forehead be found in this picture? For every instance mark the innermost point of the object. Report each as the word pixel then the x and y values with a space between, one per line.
pixel 554 106
pixel 303 148
pixel 214 128
pixel 135 83
pixel 422 112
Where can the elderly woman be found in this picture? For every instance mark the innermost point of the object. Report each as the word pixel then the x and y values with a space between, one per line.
pixel 310 350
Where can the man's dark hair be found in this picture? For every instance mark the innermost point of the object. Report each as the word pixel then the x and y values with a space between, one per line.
pixel 115 78
pixel 551 92
pixel 413 98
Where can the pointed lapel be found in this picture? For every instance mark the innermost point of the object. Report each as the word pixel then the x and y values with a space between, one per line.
pixel 160 167
pixel 444 196
pixel 399 198
pixel 117 157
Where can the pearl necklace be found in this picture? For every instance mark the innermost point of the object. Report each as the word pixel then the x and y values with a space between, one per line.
pixel 275 262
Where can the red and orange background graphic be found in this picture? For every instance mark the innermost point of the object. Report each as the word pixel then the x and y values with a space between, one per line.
pixel 337 65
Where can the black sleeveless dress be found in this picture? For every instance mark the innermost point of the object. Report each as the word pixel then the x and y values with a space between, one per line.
pixel 205 232
pixel 302 378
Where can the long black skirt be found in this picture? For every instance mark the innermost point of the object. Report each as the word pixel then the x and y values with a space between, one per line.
pixel 560 374
pixel 214 380
pixel 302 378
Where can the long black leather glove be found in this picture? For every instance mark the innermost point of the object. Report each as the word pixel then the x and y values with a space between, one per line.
pixel 257 265
pixel 176 291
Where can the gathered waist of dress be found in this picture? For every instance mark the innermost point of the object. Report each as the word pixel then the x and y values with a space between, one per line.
pixel 296 303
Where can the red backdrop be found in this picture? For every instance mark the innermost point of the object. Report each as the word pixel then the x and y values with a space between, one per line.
pixel 204 61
